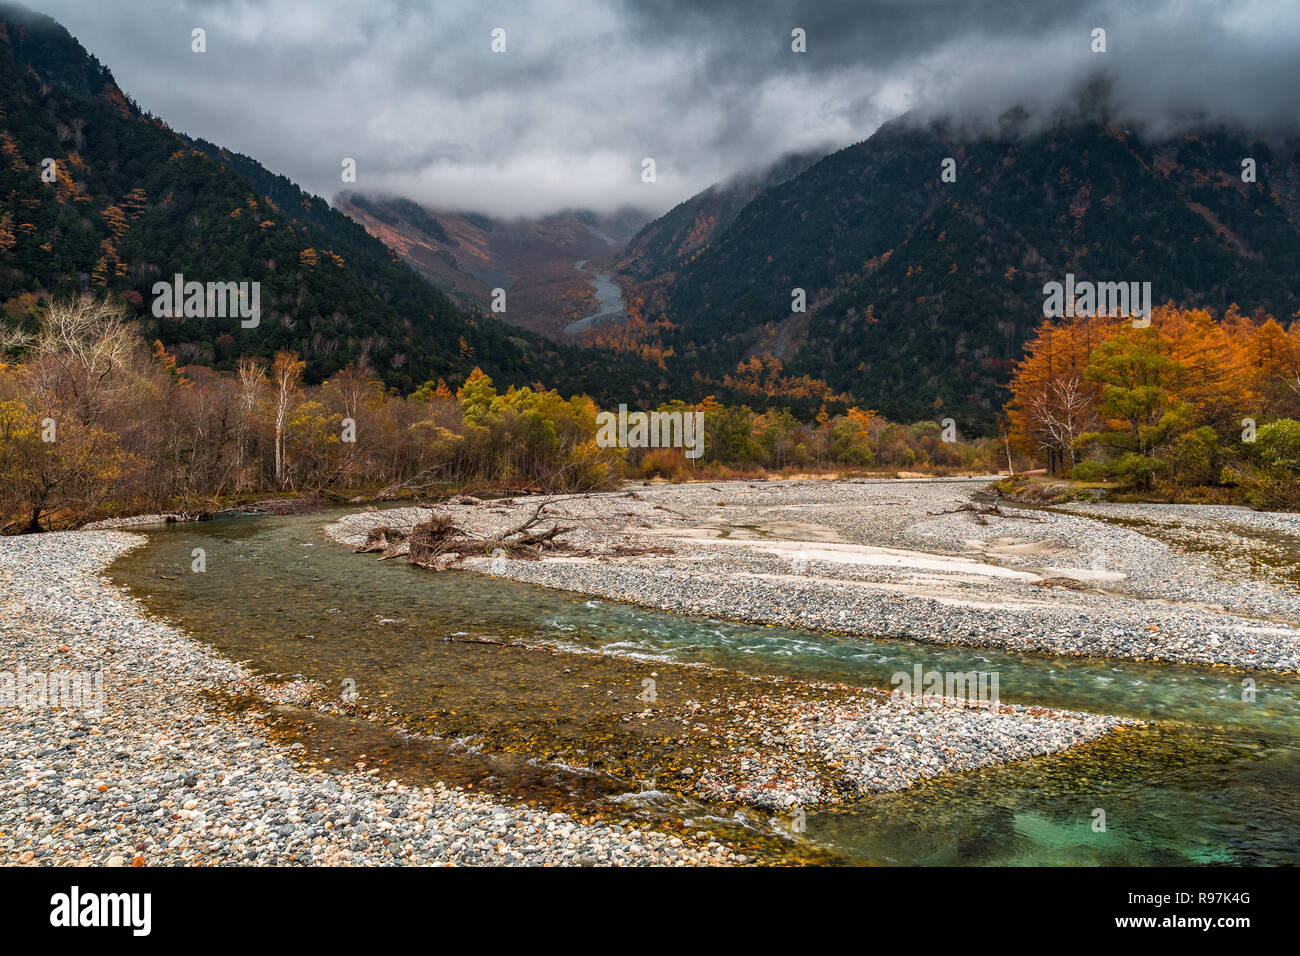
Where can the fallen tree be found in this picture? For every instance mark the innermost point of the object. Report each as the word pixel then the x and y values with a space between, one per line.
pixel 440 543
pixel 980 512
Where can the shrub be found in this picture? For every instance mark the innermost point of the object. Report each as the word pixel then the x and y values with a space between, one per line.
pixel 1277 448
pixel 664 463
pixel 1193 457
pixel 1089 471
pixel 1137 470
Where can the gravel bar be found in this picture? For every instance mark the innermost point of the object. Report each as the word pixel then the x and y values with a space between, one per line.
pixel 879 559
pixel 787 750
pixel 155 776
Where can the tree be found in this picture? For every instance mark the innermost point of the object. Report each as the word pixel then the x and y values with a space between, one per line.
pixel 1061 413
pixel 1210 375
pixel 1136 375
pixel 1277 448
pixel 286 374
pixel 1053 403
pixel 252 384
pixel 83 353
pixel 48 466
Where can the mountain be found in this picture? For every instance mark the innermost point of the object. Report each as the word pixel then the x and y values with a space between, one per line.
pixel 666 244
pixel 921 293
pixel 134 203
pixel 468 255
pixel 672 239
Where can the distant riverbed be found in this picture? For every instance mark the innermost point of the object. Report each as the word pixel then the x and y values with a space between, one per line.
pixel 609 297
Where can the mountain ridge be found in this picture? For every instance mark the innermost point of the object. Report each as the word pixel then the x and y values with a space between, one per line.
pixel 134 202
pixel 922 293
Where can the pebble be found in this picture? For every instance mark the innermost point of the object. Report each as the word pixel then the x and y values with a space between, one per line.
pixel 1153 602
pixel 159 779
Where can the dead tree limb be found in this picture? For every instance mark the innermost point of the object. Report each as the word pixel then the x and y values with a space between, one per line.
pixel 980 512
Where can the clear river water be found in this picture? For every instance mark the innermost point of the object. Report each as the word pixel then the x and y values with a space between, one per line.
pixel 539 716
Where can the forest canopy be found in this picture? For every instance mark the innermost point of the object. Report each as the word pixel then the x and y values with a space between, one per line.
pixel 1186 401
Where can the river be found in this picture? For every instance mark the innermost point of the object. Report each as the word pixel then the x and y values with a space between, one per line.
pixel 538 717
pixel 609 301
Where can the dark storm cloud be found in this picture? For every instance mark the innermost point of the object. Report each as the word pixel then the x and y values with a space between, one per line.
pixel 586 90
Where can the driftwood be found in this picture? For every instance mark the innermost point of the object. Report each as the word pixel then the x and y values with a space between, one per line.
pixel 980 512
pixel 414 483
pixel 382 538
pixel 627 550
pixel 464 500
pixel 546 537
pixel 1070 584
pixel 439 543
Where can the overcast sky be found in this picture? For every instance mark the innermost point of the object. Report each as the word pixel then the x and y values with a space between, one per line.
pixel 585 90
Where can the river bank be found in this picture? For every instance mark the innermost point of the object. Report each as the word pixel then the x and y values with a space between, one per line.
pixel 176 765
pixel 913 560
pixel 165 775
pixel 547 714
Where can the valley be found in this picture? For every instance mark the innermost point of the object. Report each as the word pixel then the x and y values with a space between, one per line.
pixel 649 438
pixel 609 301
pixel 539 263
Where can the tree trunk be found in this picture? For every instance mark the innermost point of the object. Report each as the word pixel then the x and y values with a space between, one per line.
pixel 279 446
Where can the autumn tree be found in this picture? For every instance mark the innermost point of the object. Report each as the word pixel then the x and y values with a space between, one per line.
pixel 1137 378
pixel 47 468
pixel 1053 403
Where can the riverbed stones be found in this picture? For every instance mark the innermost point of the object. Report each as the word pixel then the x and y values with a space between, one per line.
pixel 883 559
pixel 158 778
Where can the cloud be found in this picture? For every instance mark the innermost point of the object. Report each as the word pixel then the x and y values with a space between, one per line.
pixel 586 90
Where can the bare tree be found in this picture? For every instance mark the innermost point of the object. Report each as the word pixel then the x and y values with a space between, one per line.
pixel 252 383
pixel 1004 435
pixel 84 349
pixel 286 374
pixel 351 386
pixel 1060 413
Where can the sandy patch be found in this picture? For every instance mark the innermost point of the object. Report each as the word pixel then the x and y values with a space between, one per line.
pixel 855 554
pixel 936 590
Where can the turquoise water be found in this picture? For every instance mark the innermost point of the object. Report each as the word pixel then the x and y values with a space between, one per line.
pixel 1213 779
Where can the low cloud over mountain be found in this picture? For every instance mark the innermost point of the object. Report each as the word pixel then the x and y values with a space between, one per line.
pixel 585 91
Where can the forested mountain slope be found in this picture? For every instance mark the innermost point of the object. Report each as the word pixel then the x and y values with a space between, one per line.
pixel 921 293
